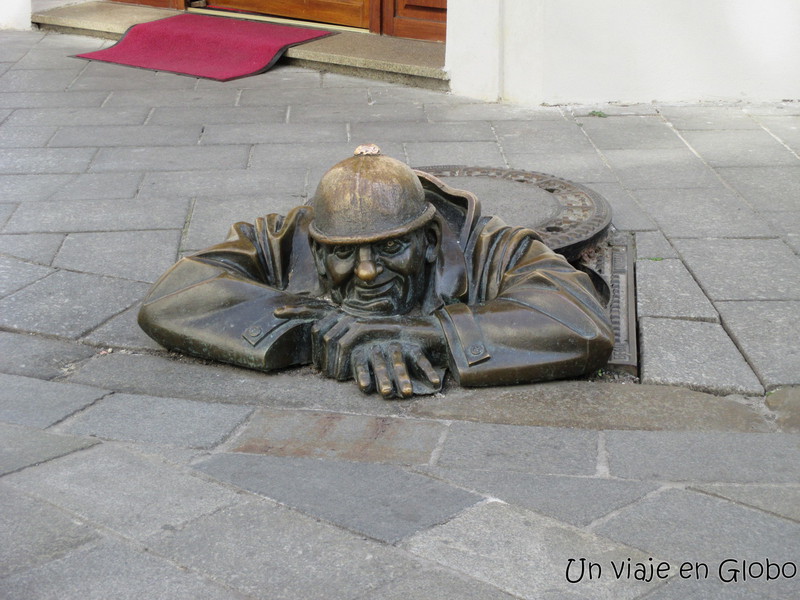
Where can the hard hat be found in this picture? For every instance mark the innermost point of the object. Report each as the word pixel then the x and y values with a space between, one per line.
pixel 368 197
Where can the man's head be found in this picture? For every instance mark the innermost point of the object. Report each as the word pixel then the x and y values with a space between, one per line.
pixel 374 235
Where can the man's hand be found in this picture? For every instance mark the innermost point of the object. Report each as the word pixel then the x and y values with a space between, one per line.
pixel 389 354
pixel 305 308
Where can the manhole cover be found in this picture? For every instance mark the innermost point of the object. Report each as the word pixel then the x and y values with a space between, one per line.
pixel 568 216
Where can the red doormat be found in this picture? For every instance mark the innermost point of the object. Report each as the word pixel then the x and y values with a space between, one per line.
pixel 211 47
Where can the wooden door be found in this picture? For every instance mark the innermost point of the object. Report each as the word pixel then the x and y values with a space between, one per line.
pixel 418 19
pixel 354 13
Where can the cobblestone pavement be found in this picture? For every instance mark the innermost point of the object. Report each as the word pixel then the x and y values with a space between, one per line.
pixel 127 472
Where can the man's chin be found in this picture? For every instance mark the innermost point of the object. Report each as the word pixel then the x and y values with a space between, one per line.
pixel 379 307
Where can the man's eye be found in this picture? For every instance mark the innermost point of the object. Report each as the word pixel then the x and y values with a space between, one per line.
pixel 391 247
pixel 343 251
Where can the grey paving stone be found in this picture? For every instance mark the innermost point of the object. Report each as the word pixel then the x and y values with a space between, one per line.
pixel 34 356
pixel 201 115
pixel 711 589
pixel 68 304
pixel 270 552
pixel 540 450
pixel 630 132
pixel 122 331
pixel 87 116
pixel 139 255
pixel 49 58
pixel 6 209
pixel 279 77
pixel 439 583
pixel 583 167
pixel 22 447
pixel 21 188
pixel 37 403
pixel 526 554
pixel 618 109
pixel 311 113
pixel 99 186
pixel 24 137
pixel 112 569
pixel 98 215
pixel 346 96
pixel 381 501
pixel 697 213
pixel 686 526
pixel 416 131
pixel 785 402
pixel 319 434
pixel 51 99
pixel 226 184
pixel 458 153
pixel 166 421
pixel 542 136
pixel 274 158
pixel 784 128
pixel 707 117
pixel 707 457
pixel 45 160
pixel 673 169
pixel 169 158
pixel 212 218
pixel 125 135
pixel 652 245
pixel 40 80
pixel 188 378
pixel 694 354
pixel 626 213
pixel 765 188
pixel 34 533
pixel 740 148
pixel 594 405
pixel 275 133
pixel 15 274
pixel 767 333
pixel 743 269
pixel 664 288
pixel 36 247
pixel 481 111
pixel 108 77
pixel 787 224
pixel 133 495
pixel 574 500
pixel 170 97
pixel 777 500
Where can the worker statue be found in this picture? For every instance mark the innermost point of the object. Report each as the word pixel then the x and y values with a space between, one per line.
pixel 388 277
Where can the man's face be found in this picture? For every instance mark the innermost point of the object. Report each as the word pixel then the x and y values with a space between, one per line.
pixel 385 277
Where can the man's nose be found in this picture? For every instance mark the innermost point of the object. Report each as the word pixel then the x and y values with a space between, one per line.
pixel 366 268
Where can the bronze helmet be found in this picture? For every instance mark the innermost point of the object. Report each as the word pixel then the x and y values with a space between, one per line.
pixel 368 197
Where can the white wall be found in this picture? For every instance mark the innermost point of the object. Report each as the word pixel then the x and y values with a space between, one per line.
pixel 584 51
pixel 15 14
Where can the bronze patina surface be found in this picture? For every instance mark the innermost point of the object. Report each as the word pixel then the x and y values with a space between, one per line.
pixel 389 277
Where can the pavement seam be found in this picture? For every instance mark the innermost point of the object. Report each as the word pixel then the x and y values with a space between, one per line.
pixel 437 451
pixel 58 426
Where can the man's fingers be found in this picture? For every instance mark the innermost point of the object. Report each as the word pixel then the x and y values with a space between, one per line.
pixel 401 377
pixel 425 367
pixel 319 351
pixel 383 379
pixel 361 372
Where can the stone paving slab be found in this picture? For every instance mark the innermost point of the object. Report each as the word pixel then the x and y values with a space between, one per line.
pixel 781 500
pixel 594 405
pixel 125 135
pixel 45 160
pixel 743 269
pixel 53 99
pixel 664 288
pixel 525 554
pixel 130 494
pixel 112 569
pixel 785 402
pixel 23 447
pixel 161 97
pixel 40 80
pixel 68 304
pixel 415 131
pixel 383 502
pixel 787 224
pixel 37 403
pixel 686 526
pixel 137 255
pixel 98 215
pixel 274 553
pixel 122 332
pixel 277 133
pixel 22 188
pixel 661 168
pixel 706 457
pixel 170 158
pixel 693 354
pixel 698 118
pixel 34 356
pixel 652 245
pixel 582 167
pixel 575 500
pixel 291 183
pixel 627 213
pixel 440 583
pixel 166 421
pixel 38 248
pixel 339 436
pixel 34 532
pixel 16 274
pixel 740 148
pixel 765 188
pixel 630 132
pixel 540 450
pixel 542 136
pixel 699 213
pixel 201 115
pixel 86 116
pixel 24 137
pixel 767 333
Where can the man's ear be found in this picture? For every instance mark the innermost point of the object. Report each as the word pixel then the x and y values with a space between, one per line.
pixel 319 259
pixel 433 237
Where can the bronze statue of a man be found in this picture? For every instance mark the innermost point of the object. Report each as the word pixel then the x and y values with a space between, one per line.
pixel 388 277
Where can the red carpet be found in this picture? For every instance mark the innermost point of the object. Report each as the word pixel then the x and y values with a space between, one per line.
pixel 212 47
